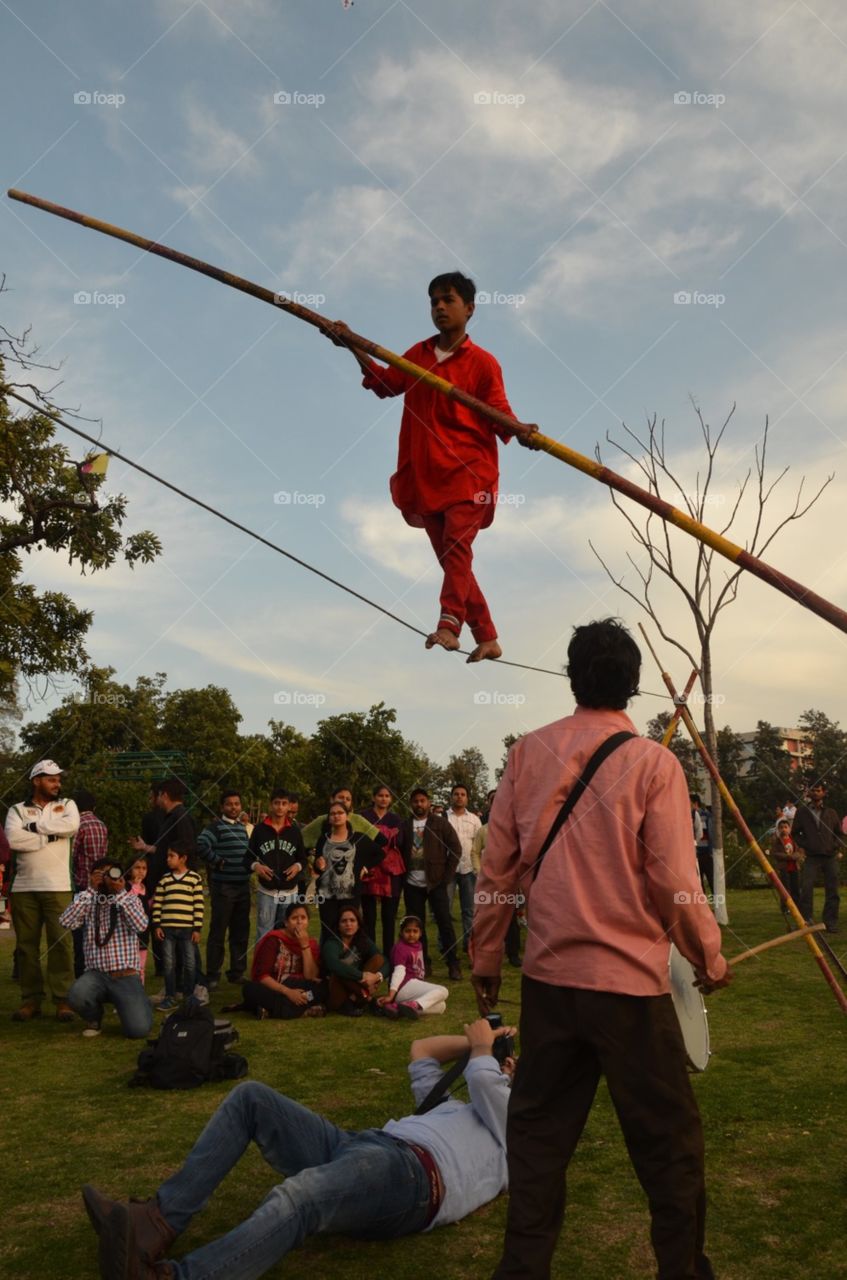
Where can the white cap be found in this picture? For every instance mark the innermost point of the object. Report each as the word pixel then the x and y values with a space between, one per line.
pixel 48 767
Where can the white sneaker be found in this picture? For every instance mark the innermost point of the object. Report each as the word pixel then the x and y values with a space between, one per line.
pixel 92 1029
pixel 201 994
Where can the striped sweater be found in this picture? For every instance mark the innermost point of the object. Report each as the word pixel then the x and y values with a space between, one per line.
pixel 178 902
pixel 224 846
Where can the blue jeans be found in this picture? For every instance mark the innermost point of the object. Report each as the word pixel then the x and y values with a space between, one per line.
pixel 177 948
pixel 270 913
pixel 93 990
pixel 467 889
pixel 362 1184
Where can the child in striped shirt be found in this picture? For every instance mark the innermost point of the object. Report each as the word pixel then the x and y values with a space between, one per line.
pixel 177 919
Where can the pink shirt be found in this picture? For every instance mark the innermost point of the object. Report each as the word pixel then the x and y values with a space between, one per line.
pixel 619 882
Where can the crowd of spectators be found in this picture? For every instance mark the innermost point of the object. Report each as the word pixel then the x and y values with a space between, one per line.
pixel 342 876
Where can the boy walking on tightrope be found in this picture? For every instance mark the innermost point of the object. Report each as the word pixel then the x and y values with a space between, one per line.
pixel 447 468
pixel 177 920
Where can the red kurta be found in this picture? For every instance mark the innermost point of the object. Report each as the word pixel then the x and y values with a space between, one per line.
pixel 447 452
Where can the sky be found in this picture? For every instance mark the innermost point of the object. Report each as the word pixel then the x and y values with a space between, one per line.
pixel 650 199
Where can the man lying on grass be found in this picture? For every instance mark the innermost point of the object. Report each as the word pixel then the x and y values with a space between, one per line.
pixel 410 1175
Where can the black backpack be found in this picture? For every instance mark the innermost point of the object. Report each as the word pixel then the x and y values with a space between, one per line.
pixel 193 1047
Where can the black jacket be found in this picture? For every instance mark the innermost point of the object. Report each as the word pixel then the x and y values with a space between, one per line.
pixel 819 840
pixel 278 850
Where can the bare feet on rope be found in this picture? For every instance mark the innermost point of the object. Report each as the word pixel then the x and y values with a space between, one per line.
pixel 486 649
pixel 444 637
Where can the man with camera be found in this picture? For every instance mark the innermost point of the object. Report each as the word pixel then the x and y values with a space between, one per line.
pixel 607 863
pixel 426 1170
pixel 112 919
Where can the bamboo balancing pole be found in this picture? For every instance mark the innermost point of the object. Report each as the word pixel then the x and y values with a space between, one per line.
pixel 731 551
pixel 747 833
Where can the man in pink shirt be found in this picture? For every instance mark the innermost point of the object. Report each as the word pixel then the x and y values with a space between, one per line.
pixel 618 884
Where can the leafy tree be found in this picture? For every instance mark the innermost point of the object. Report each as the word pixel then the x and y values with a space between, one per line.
pixel 467 769
pixel 769 780
pixel 828 760
pixel 682 747
pixel 508 742
pixel 730 757
pixel 47 501
pixel 363 749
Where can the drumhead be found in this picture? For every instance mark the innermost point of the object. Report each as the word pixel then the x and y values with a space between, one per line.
pixel 690 1010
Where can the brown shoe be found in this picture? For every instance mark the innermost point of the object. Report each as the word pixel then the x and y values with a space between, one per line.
pixel 152 1234
pixel 64 1012
pixel 119 1255
pixel 454 972
pixel 27 1012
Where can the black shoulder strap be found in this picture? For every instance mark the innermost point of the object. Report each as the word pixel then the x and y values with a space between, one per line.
pixel 602 753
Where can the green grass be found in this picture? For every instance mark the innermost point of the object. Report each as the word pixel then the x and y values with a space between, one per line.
pixel 773 1103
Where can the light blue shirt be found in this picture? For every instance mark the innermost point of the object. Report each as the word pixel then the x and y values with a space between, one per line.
pixel 467 1140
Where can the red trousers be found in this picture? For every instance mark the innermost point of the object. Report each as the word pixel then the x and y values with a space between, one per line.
pixel 451 533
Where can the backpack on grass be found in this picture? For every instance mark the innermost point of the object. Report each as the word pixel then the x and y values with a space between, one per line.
pixel 193 1047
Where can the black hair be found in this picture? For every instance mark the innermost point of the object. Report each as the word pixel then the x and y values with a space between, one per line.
pixel 294 797
pixel 84 800
pixel 604 664
pixel 225 795
pixel 418 791
pixel 172 788
pixel 295 906
pixel 343 787
pixel 382 786
pixel 279 793
pixel 463 285
pixel 102 863
pixel 459 786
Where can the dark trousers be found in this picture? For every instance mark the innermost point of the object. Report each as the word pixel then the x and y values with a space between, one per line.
pixel 706 865
pixel 388 912
pixel 417 899
pixel 513 939
pixel 230 910
pixel 569 1038
pixel 814 866
pixel 257 996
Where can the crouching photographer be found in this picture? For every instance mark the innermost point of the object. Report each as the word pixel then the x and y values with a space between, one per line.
pixel 113 919
pixel 426 1170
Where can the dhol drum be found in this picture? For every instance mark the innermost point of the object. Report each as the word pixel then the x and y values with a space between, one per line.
pixel 690 1010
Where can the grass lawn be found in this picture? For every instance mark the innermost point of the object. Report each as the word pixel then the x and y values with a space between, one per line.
pixel 774 1100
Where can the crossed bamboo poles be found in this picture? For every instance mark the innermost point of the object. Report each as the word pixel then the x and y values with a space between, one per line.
pixel 730 550
pixel 681 712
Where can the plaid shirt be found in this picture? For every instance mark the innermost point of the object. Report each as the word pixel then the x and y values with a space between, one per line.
pixel 93 910
pixel 91 843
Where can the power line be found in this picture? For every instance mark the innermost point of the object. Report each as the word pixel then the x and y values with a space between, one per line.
pixel 251 533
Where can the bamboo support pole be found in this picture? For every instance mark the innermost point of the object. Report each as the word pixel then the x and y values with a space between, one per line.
pixel 667 737
pixel 730 550
pixel 748 834
pixel 777 942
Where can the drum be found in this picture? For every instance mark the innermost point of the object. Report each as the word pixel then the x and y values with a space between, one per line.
pixel 690 1010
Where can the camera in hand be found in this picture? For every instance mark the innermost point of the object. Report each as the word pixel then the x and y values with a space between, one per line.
pixel 503 1046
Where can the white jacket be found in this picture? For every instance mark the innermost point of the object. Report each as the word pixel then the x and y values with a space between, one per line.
pixel 40 864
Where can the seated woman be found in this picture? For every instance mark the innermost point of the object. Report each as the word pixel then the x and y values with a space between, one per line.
pixel 408 994
pixel 354 968
pixel 343 859
pixel 285 979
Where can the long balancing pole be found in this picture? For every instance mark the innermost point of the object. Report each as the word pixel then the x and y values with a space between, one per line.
pixel 738 555
pixel 777 884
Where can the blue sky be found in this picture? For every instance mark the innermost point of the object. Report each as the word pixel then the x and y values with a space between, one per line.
pixel 585 163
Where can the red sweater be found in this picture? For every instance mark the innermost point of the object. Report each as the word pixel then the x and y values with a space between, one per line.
pixel 447 453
